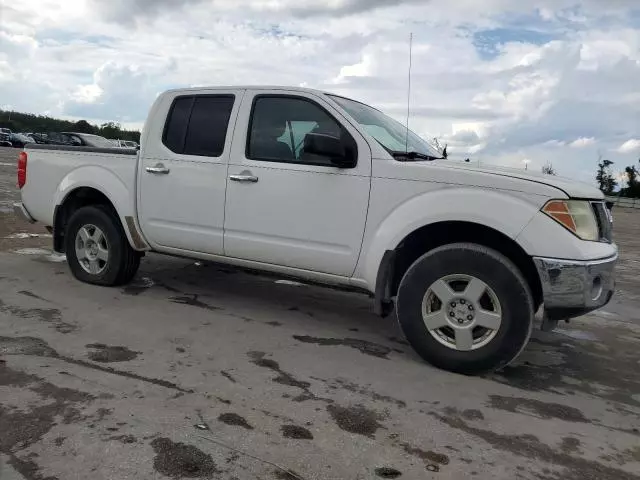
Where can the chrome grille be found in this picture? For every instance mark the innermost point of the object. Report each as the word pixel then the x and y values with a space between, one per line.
pixel 604 219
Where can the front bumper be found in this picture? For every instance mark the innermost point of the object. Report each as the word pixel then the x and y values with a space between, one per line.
pixel 20 210
pixel 572 288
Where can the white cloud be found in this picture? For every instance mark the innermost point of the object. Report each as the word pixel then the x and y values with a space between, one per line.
pixel 583 142
pixel 362 69
pixel 538 98
pixel 630 146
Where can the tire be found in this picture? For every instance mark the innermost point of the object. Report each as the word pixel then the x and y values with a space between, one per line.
pixel 488 315
pixel 103 233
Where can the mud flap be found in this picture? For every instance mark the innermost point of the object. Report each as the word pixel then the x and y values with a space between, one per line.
pixel 383 304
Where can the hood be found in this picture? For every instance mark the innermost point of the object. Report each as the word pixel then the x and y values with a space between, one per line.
pixel 572 188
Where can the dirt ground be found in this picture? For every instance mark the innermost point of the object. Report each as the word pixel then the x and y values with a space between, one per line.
pixel 201 371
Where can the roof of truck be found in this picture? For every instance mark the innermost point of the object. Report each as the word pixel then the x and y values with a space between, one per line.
pixel 248 87
pixel 263 87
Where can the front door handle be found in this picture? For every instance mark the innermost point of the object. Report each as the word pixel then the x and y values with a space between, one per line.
pixel 243 177
pixel 159 169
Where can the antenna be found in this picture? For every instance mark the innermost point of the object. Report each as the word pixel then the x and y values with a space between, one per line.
pixel 406 142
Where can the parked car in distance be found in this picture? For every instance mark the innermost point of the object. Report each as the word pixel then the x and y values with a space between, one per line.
pixel 5 139
pixel 6 131
pixel 78 140
pixel 38 137
pixel 320 187
pixel 19 140
pixel 88 140
pixel 56 138
pixel 126 144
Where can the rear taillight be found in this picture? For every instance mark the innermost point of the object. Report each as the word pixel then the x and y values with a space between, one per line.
pixel 22 169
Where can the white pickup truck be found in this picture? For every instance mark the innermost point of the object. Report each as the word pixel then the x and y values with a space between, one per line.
pixel 320 187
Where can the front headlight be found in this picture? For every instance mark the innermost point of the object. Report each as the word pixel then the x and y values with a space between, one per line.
pixel 576 216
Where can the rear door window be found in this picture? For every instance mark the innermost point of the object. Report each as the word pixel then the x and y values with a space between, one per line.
pixel 197 125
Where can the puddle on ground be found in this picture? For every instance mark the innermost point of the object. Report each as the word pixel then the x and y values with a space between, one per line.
pixel 368 348
pixel 179 460
pixel 47 315
pixel 387 472
pixel 286 475
pixel 355 419
pixel 296 432
pixel 545 410
pixel 25 427
pixel 428 457
pixel 530 447
pixel 284 378
pixel 37 347
pixel 25 346
pixel 110 354
pixel 235 420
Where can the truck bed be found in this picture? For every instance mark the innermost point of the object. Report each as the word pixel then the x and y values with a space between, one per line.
pixel 53 171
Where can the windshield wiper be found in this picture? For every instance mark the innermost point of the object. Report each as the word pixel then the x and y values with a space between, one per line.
pixel 404 156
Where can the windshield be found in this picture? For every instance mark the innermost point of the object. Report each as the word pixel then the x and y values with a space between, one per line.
pixel 390 133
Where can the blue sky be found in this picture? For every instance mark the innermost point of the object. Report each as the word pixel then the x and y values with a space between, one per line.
pixel 498 80
pixel 488 43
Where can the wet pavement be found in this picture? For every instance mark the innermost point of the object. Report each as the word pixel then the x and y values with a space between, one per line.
pixel 200 371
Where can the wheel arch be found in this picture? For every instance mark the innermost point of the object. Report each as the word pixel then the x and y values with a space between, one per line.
pixel 428 237
pixel 83 196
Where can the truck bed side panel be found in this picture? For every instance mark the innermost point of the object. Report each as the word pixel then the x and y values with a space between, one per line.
pixel 53 172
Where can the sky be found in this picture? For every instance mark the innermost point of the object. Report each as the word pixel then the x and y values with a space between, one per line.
pixel 501 81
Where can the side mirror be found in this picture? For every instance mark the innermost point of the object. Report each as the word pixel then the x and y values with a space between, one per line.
pixel 328 146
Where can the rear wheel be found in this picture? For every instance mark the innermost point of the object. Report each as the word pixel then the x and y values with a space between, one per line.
pixel 465 308
pixel 98 251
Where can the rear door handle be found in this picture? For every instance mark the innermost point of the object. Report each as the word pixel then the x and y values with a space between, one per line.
pixel 245 178
pixel 159 169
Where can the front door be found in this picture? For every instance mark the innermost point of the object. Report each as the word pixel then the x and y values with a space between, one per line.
pixel 285 205
pixel 183 174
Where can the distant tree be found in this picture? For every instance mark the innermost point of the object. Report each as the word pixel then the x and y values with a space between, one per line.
pixel 82 126
pixel 29 123
pixel 111 130
pixel 606 181
pixel 548 169
pixel 633 184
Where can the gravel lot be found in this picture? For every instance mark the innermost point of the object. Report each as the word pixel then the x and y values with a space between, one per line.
pixel 200 371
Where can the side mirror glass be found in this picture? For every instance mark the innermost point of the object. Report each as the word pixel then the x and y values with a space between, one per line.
pixel 328 146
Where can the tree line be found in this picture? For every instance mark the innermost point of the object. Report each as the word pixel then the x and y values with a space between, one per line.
pixel 30 123
pixel 607 181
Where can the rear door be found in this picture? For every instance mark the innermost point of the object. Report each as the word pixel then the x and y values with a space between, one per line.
pixel 183 172
pixel 286 206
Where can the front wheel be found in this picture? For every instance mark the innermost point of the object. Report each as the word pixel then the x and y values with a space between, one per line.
pixel 98 251
pixel 465 308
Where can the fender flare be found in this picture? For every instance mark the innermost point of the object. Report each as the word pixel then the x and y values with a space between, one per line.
pixel 498 210
pixel 113 188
